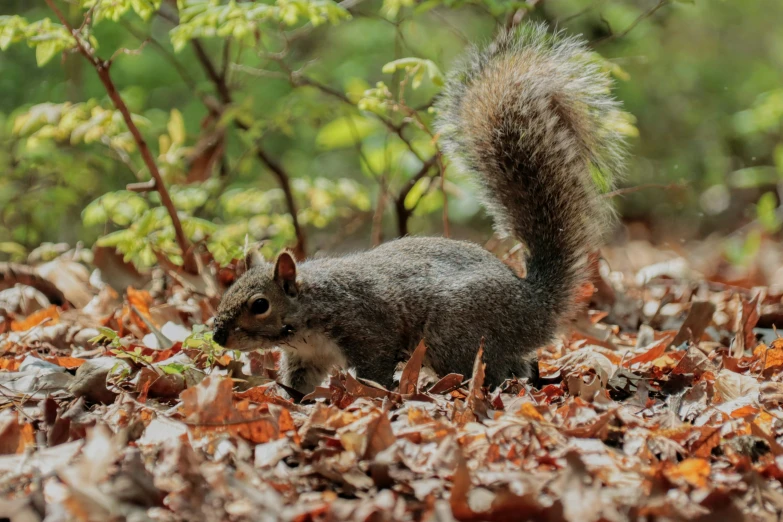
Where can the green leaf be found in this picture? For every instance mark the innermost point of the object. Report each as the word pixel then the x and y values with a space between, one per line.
pixel 778 155
pixel 344 132
pixel 173 368
pixel 94 214
pixel 105 334
pixel 176 127
pixel 753 177
pixel 45 51
pixel 242 20
pixel 417 67
pixel 766 212
pixel 16 251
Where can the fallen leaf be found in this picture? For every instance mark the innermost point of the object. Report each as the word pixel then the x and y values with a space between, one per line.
pixel 409 381
pixel 733 385
pixel 51 315
pixel 652 353
pixel 693 471
pixel 66 362
pixel 699 317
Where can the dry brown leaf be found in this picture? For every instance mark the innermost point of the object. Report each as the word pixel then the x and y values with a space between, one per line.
pixel 209 409
pixel 732 386
pixel 379 436
pixel 409 381
pixel 746 318
pixel 698 319
pixel 475 405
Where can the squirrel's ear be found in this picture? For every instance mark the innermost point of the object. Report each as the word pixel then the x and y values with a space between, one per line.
pixel 285 272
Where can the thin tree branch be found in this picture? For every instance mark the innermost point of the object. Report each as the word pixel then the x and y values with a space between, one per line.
pixel 404 213
pixel 639 19
pixel 102 69
pixel 299 80
pixel 283 179
pixel 637 188
pixel 165 53
pixel 212 73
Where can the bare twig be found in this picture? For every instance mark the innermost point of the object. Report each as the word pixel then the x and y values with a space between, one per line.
pixel 637 188
pixel 442 170
pixel 165 53
pixel 376 237
pixel 577 14
pixel 632 26
pixel 283 179
pixel 143 186
pixel 102 69
pixel 133 52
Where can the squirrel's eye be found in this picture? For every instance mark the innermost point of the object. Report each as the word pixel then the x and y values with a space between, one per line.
pixel 259 306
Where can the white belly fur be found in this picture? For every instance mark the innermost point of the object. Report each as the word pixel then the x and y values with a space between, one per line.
pixel 315 352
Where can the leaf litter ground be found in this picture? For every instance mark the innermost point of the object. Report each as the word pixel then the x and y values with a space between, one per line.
pixel 662 402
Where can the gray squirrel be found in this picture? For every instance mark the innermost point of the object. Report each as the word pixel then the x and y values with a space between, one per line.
pixel 529 116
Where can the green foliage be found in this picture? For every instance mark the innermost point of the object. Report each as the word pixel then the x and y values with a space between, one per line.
pixel 241 21
pixel 46 37
pixel 416 69
pixel 496 7
pixel 76 123
pixel 345 132
pixel 121 208
pixel 375 100
pixel 766 213
pixel 201 339
pixel 741 250
pixel 115 9
pixel 764 115
pixel 107 336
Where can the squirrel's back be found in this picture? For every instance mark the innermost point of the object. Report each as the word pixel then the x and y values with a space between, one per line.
pixel 530 114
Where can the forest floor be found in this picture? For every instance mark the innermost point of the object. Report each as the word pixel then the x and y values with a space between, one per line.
pixel 663 402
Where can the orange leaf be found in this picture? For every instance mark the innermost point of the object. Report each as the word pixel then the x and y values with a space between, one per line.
pixel 66 362
pixel 209 409
pixel 529 410
pixel 744 411
pixel 694 472
pixel 265 394
pixel 10 364
pixel 140 300
pixel 651 354
pixel 26 437
pixel 773 357
pixel 709 439
pixel 51 315
pixel 585 292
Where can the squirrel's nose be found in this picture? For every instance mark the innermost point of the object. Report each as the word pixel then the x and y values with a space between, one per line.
pixel 220 335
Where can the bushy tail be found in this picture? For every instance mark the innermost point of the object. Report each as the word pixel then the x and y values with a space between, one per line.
pixel 531 114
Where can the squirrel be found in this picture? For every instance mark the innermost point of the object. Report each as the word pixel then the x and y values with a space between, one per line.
pixel 529 116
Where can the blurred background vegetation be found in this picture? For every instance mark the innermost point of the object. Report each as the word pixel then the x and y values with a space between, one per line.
pixel 308 122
